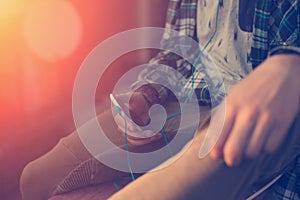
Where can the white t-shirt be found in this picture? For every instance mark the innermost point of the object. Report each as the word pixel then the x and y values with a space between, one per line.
pixel 230 47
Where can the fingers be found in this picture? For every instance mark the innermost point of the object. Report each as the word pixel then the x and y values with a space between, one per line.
pixel 138 109
pixel 247 132
pixel 260 135
pixel 147 138
pixel 217 151
pixel 240 134
pixel 142 119
pixel 134 136
pixel 143 141
pixel 135 107
pixel 276 136
pixel 250 132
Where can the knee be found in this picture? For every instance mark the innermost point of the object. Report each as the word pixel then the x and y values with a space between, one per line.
pixel 31 183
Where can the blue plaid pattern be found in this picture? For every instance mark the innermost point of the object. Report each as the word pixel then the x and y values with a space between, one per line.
pixel 288 186
pixel 260 46
pixel 276 24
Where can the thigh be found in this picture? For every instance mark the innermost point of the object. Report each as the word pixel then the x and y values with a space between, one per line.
pixel 188 177
pixel 70 165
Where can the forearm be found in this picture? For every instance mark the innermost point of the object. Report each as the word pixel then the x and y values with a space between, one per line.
pixel 291 64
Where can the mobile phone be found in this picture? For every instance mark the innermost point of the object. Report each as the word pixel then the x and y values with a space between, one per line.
pixel 120 111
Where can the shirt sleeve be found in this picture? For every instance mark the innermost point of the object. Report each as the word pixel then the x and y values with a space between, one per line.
pixel 284 34
pixel 160 67
pixel 168 70
pixel 173 71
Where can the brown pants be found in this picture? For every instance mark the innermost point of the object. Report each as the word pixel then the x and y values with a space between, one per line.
pixel 69 166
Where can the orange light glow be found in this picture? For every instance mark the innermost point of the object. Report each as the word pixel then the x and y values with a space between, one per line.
pixel 52 29
pixel 12 7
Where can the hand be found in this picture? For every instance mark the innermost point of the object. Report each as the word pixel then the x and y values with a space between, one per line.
pixel 259 110
pixel 138 108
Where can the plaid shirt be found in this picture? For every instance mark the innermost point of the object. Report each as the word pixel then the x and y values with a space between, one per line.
pixel 276 25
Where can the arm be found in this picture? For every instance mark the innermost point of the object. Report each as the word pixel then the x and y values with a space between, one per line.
pixel 143 98
pixel 258 120
pixel 261 108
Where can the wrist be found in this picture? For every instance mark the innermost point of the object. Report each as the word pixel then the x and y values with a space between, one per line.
pixel 150 94
pixel 290 55
pixel 290 63
pixel 286 50
pixel 163 92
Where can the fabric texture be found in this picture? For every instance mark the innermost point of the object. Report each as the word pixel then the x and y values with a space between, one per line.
pixel 185 176
pixel 276 24
pixel 230 46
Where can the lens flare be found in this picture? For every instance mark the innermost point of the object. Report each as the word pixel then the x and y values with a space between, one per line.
pixel 52 29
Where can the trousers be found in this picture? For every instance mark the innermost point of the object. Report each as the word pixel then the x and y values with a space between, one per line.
pixel 69 165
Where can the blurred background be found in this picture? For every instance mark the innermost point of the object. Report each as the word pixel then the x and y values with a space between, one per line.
pixel 42 45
